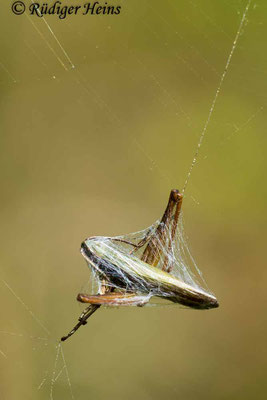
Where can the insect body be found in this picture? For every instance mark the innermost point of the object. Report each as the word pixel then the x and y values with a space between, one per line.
pixel 127 278
pixel 136 276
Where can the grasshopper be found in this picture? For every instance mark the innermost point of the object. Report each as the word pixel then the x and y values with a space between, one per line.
pixel 128 280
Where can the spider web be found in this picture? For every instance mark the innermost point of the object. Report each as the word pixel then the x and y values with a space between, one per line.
pixel 173 255
pixel 55 376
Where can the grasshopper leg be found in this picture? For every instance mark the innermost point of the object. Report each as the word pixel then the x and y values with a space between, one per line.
pixel 135 246
pixel 87 312
pixel 82 320
pixel 162 235
pixel 114 299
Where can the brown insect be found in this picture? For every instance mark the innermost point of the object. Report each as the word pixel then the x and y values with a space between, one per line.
pixel 128 279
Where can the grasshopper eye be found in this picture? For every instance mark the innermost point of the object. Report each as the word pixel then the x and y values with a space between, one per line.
pixel 213 303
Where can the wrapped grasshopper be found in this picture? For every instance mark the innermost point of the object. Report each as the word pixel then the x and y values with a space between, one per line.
pixel 130 276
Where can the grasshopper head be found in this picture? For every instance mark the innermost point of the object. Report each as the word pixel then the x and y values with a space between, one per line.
pixel 213 303
pixel 207 302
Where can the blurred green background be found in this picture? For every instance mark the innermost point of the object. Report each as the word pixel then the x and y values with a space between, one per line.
pixel 95 150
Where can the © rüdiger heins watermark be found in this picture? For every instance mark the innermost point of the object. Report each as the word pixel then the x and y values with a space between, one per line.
pixel 94 8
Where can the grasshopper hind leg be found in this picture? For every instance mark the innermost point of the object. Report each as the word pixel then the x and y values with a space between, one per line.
pixel 107 299
pixel 88 311
pixel 82 320
pixel 114 299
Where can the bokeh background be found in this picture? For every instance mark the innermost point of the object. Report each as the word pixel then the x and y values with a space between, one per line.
pixel 95 150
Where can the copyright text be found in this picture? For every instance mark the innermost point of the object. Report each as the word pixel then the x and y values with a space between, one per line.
pixel 62 11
